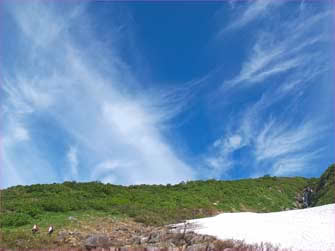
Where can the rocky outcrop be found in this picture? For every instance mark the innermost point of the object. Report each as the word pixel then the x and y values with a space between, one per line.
pixel 98 240
pixel 304 199
pixel 195 248
pixel 142 237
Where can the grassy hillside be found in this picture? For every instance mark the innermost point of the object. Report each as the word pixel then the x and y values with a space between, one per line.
pixel 158 204
pixel 85 206
pixel 324 190
pixel 150 204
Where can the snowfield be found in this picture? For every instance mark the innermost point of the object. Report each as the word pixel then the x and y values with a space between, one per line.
pixel 302 229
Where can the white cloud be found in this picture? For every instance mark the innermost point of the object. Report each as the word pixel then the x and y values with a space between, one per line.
pixel 235 141
pixel 276 146
pixel 277 139
pixel 285 48
pixel 34 19
pixel 128 118
pixel 287 147
pixel 22 162
pixel 294 164
pixel 253 11
pixel 15 132
pixel 220 159
pixel 103 170
pixel 73 161
pixel 92 98
pixel 279 131
pixel 109 165
pixel 25 96
pixel 21 134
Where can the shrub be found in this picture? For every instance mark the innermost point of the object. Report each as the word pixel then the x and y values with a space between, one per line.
pixel 99 204
pixel 14 219
pixel 32 211
pixel 56 205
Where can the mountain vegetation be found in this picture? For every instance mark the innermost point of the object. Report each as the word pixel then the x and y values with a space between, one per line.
pixel 152 205
pixel 324 190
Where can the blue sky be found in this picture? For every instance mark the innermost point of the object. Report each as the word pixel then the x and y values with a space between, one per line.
pixel 156 93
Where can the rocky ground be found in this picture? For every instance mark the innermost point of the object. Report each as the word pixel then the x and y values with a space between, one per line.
pixel 120 234
pixel 129 234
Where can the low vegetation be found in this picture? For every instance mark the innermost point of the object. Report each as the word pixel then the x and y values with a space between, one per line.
pixel 151 204
pixel 154 205
pixel 324 190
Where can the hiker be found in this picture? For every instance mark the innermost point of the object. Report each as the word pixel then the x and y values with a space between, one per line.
pixel 50 230
pixel 34 229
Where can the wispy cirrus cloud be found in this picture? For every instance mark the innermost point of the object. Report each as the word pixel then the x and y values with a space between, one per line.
pixel 87 97
pixel 277 133
pixel 278 146
pixel 219 158
pixel 276 139
pixel 72 156
pixel 74 107
pixel 290 147
pixel 251 11
pixel 285 49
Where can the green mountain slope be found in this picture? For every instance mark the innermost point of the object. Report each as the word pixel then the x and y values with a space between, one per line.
pixel 324 190
pixel 158 204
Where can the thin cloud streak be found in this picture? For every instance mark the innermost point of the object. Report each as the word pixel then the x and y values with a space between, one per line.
pixel 250 13
pixel 274 136
pixel 73 161
pixel 100 114
pixel 274 54
pixel 278 147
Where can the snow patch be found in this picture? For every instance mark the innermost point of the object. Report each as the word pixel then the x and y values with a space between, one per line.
pixel 310 229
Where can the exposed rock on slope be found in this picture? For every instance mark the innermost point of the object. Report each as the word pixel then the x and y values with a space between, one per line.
pixel 131 234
